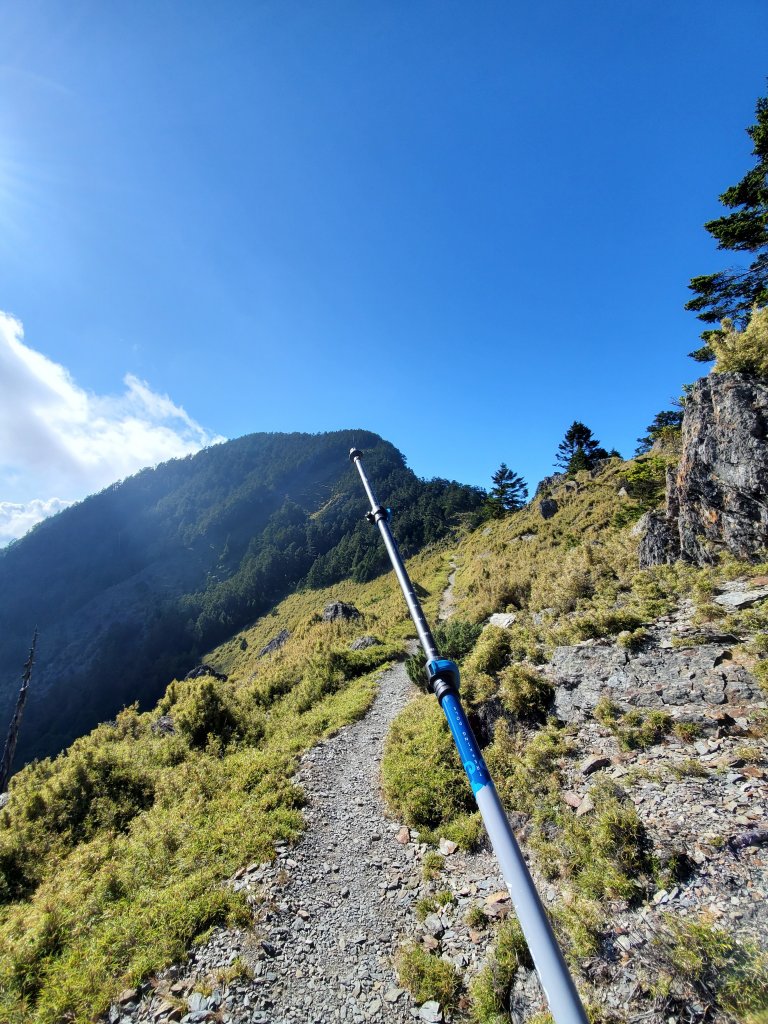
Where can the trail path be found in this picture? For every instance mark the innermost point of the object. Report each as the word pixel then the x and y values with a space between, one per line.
pixel 448 601
pixel 332 909
pixel 346 875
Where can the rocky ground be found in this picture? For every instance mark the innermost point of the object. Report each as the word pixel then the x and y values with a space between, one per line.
pixel 331 912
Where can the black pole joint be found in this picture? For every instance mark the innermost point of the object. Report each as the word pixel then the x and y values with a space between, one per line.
pixel 378 513
pixel 443 677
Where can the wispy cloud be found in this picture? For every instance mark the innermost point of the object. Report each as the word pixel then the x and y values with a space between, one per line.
pixel 57 438
pixel 16 518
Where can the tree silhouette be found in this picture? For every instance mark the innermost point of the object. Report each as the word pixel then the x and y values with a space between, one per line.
pixel 579 449
pixel 509 492
pixel 732 293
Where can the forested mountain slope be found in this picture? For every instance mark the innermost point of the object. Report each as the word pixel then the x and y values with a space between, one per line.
pixel 128 587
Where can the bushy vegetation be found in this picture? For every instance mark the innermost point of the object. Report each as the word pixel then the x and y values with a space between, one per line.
pixel 427 976
pixel 696 957
pixel 113 856
pixel 743 351
pixel 636 728
pixel 422 775
pixel 454 638
pixel 489 991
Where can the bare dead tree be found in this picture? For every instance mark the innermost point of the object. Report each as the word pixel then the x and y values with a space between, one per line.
pixel 13 728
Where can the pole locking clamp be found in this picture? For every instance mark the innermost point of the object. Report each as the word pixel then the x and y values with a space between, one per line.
pixel 443 677
pixel 379 513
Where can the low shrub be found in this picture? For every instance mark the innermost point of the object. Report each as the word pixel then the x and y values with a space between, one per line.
pixel 637 729
pixel 427 976
pixel 708 961
pixel 490 990
pixel 742 351
pixel 491 652
pixel 525 693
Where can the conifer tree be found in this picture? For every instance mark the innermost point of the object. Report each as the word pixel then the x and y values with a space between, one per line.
pixel 509 492
pixel 579 449
pixel 732 293
pixel 664 423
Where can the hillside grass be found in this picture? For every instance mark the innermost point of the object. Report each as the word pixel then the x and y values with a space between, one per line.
pixel 114 856
pixel 568 579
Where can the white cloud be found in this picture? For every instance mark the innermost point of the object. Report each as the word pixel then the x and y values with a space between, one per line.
pixel 16 518
pixel 55 437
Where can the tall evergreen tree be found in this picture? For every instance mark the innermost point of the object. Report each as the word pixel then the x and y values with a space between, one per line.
pixel 579 449
pixel 732 293
pixel 509 492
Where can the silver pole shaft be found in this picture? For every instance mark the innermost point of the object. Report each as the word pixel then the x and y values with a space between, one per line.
pixel 547 956
pixel 379 515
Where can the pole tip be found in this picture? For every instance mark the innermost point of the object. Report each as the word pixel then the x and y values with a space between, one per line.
pixel 355 453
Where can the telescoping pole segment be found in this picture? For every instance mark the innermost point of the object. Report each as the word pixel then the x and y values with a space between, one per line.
pixel 444 683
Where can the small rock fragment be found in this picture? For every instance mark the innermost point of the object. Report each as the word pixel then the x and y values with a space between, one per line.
pixel 594 764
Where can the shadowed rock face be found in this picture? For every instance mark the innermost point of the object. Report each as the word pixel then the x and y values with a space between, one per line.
pixel 721 486
pixel 718 497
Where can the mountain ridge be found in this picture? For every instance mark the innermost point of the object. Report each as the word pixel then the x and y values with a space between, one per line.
pixel 174 559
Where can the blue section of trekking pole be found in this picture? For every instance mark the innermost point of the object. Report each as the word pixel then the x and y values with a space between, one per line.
pixel 443 676
pixel 466 744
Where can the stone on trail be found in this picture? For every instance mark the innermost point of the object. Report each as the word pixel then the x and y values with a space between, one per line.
pixel 594 764
pixel 431 1012
pixel 502 619
pixel 433 925
pixel 585 806
pixel 129 995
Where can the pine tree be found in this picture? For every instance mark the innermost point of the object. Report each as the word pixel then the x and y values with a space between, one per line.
pixel 509 492
pixel 734 292
pixel 664 423
pixel 579 449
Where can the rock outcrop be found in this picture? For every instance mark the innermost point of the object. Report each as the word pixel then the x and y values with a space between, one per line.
pixel 548 507
pixel 205 670
pixel 340 610
pixel 275 643
pixel 721 484
pixel 364 642
pixel 716 499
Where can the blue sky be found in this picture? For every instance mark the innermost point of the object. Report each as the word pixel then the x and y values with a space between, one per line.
pixel 462 225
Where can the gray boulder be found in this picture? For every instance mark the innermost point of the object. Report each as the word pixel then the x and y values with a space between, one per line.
pixel 205 670
pixel 548 507
pixel 363 642
pixel 163 726
pixel 549 482
pixel 339 610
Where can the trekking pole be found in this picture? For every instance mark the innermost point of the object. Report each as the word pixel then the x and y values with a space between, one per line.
pixel 443 677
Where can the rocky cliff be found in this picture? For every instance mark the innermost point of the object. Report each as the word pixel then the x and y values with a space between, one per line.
pixel 716 498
